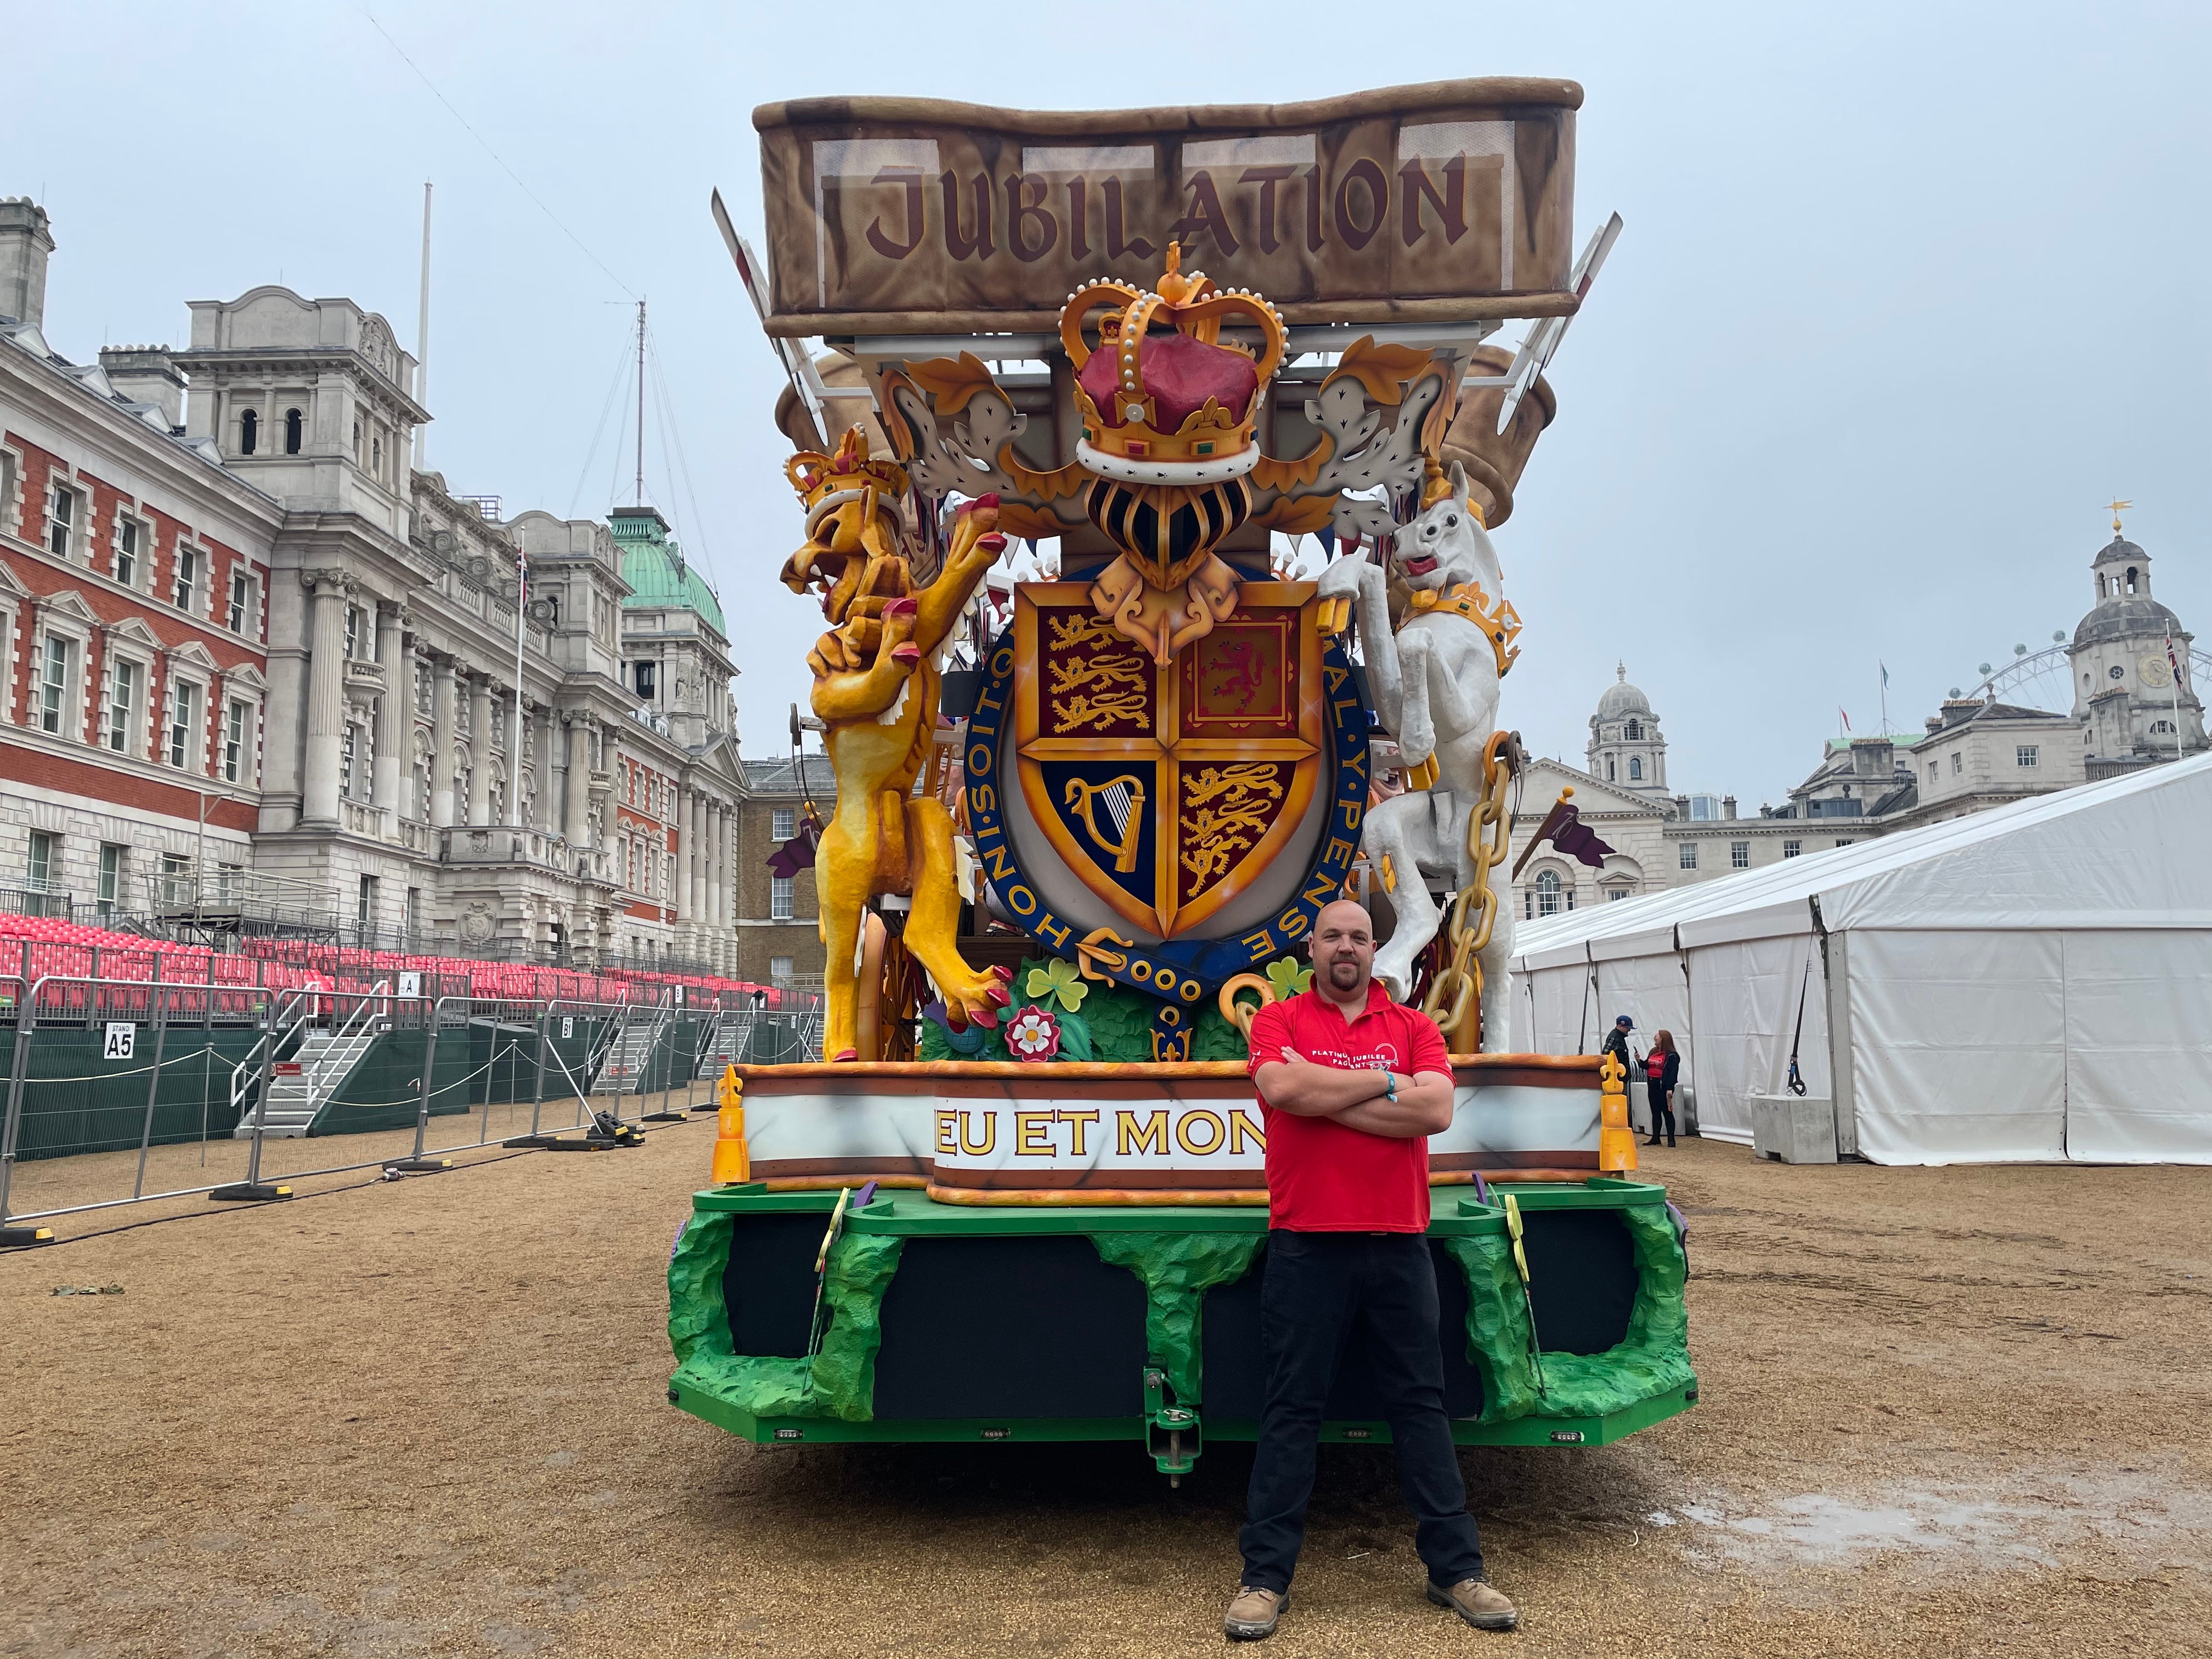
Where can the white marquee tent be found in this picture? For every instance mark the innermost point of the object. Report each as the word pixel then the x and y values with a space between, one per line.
pixel 2033 983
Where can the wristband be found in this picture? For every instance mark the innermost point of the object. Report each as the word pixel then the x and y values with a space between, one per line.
pixel 1389 1084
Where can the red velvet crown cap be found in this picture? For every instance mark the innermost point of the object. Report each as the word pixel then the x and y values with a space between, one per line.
pixel 1180 373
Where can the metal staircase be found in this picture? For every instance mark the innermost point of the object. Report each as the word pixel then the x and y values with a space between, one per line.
pixel 300 1087
pixel 723 1042
pixel 623 1069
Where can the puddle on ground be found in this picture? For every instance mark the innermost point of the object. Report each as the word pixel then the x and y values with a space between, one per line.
pixel 2025 1519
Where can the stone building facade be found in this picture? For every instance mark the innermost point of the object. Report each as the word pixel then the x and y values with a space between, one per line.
pixel 778 919
pixel 222 554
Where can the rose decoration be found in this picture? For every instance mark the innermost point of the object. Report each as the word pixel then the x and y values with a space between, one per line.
pixel 1033 1035
pixel 1287 978
pixel 1058 980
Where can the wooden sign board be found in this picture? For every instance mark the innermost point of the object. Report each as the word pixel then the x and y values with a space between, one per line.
pixel 1441 202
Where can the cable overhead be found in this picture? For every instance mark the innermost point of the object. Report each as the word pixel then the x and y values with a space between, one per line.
pixel 493 154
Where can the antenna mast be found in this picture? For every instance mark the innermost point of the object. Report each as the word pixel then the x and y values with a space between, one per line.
pixel 422 334
pixel 639 496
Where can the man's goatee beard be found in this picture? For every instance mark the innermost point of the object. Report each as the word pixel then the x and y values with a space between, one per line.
pixel 1343 974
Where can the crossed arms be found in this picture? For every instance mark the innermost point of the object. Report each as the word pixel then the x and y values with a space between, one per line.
pixel 1359 1100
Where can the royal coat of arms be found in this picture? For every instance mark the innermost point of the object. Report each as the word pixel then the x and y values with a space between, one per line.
pixel 1169 788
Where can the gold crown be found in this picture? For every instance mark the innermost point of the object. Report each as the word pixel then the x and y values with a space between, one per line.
pixel 817 477
pixel 1125 439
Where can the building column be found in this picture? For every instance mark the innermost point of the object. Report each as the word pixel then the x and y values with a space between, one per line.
pixel 548 808
pixel 725 888
pixel 576 821
pixel 392 711
pixel 695 831
pixel 679 880
pixel 443 695
pixel 480 749
pixel 326 702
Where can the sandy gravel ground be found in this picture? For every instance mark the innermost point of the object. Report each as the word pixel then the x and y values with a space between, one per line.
pixel 1946 1411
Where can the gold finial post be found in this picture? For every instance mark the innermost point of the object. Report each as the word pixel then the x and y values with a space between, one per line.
pixel 2117 507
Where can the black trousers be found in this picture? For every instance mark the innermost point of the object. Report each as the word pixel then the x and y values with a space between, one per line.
pixel 1662 1109
pixel 1324 1291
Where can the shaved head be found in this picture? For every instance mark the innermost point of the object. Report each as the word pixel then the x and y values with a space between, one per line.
pixel 1343 946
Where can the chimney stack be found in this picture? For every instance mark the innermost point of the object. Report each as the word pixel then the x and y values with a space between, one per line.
pixel 145 374
pixel 1728 806
pixel 24 242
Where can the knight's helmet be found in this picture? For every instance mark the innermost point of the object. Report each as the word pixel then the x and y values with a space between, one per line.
pixel 1168 410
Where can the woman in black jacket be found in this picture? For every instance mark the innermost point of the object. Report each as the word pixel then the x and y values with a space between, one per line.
pixel 1661 1068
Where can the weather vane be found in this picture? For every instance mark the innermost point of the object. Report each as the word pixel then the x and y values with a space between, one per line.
pixel 2117 507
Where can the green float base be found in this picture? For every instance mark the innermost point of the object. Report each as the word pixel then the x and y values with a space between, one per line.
pixel 948 1323
pixel 1521 1431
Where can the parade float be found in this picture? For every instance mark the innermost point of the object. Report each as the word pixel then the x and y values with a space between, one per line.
pixel 1153 361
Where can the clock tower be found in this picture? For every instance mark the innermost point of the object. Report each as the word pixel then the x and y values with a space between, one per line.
pixel 2131 712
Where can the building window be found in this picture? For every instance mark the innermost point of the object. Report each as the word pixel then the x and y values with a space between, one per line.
pixel 1608 768
pixel 2025 754
pixel 176 883
pixel 39 862
pixel 1845 842
pixel 779 970
pixel 1934 773
pixel 111 875
pixel 782 823
pixel 233 743
pixel 645 681
pixel 128 540
pixel 123 687
pixel 241 601
pixel 365 902
pixel 421 672
pixel 53 683
pixel 294 425
pixel 353 633
pixel 1958 763
pixel 1739 855
pixel 62 512
pixel 1634 731
pixel 1635 768
pixel 184 718
pixel 779 898
pixel 2156 726
pixel 1614 895
pixel 346 750
pixel 1688 854
pixel 249 432
pixel 1792 848
pixel 1547 892
pixel 188 580
pixel 413 919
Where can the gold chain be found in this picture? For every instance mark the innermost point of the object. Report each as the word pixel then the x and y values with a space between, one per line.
pixel 1455 995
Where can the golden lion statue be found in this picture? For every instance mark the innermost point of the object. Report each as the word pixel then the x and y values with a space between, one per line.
pixel 876 680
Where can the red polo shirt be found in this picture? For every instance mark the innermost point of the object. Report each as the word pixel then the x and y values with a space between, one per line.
pixel 1322 1176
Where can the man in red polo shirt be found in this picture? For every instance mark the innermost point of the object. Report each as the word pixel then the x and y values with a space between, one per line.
pixel 1352 1085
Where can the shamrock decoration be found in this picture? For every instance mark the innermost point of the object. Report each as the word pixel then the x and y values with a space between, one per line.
pixel 1287 977
pixel 1033 1035
pixel 1058 980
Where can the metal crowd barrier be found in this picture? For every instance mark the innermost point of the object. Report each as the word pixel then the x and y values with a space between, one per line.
pixel 124 1092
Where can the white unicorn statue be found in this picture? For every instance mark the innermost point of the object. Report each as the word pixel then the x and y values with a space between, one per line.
pixel 1435 681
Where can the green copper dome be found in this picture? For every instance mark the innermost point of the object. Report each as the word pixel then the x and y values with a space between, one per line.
pixel 654 568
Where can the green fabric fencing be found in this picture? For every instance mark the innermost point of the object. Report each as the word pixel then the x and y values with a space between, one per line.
pixel 385 1090
pixel 74 1101
pixel 839 1382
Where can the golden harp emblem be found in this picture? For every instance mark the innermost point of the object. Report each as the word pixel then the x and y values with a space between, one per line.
pixel 1123 798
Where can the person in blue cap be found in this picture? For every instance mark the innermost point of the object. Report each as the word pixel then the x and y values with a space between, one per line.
pixel 1616 1043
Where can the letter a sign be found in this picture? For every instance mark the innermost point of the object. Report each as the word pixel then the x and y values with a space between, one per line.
pixel 122 1039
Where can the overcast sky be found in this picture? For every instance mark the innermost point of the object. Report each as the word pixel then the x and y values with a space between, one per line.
pixel 1907 291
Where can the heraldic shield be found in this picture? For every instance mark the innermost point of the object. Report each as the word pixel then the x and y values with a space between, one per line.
pixel 1169 788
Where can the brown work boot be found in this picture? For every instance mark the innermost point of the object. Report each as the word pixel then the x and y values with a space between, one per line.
pixel 1475 1601
pixel 1252 1615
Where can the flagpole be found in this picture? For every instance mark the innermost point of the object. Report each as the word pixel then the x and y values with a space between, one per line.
pixel 2173 667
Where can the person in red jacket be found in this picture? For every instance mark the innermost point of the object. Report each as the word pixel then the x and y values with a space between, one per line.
pixel 1351 1084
